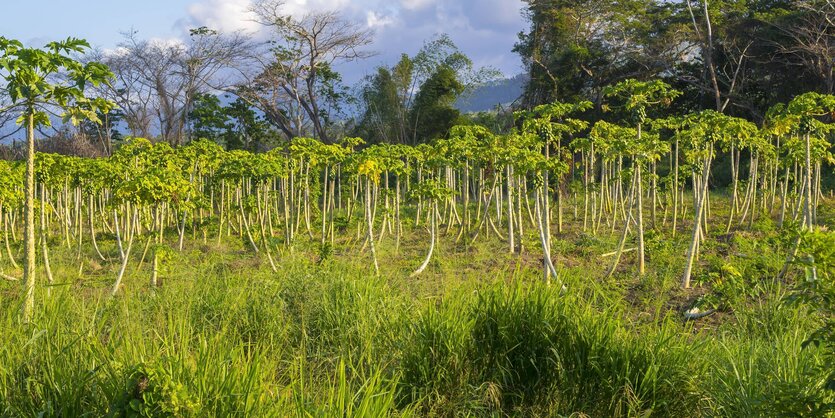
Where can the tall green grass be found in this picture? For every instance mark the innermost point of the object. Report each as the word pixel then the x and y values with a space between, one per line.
pixel 532 349
pixel 227 337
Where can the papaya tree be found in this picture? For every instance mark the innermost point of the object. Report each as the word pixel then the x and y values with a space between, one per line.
pixel 802 117
pixel 431 190
pixel 636 98
pixel 532 160
pixel 11 197
pixel 35 91
pixel 369 168
pixel 474 147
pixel 95 175
pixel 155 183
pixel 704 132
pixel 201 159
pixel 551 123
pixel 802 113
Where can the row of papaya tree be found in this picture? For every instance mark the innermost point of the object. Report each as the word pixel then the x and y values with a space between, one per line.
pixel 472 185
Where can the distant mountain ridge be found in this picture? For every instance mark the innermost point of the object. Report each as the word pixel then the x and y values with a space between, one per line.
pixel 488 96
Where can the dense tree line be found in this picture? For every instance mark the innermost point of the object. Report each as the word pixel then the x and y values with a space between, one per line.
pixel 736 57
pixel 732 56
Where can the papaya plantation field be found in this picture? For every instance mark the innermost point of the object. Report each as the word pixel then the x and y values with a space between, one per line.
pixel 392 281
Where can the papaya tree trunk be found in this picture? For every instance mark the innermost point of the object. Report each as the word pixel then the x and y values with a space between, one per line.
pixel 370 224
pixel 432 238
pixel 45 241
pixel 697 221
pixel 28 306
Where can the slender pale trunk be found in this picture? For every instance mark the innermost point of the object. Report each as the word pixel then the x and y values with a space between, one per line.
pixel 485 215
pixel 784 196
pixel 807 200
pixel 641 255
pixel 466 191
pixel 734 187
pixel 627 219
pixel 654 193
pixel 245 223
pixel 432 238
pixel 697 220
pixel 586 170
pixel 45 240
pixel 6 240
pixel 675 191
pixel 398 222
pixel 809 223
pixel 221 212
pixel 548 265
pixel 90 212
pixel 158 223
pixel 370 225
pixel 546 193
pixel 510 233
pixel 28 307
pixel 325 185
pixel 125 253
pixel 262 214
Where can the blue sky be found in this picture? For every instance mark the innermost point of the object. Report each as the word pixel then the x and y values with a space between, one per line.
pixel 97 21
pixel 483 29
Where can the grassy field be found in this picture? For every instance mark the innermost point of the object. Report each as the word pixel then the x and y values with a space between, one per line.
pixel 478 334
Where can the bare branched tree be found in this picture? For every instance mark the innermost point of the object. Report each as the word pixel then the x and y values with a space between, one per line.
pixel 294 79
pixel 156 81
pixel 724 57
pixel 808 40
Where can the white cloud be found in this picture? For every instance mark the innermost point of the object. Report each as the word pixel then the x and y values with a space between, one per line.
pixel 223 15
pixel 116 52
pixel 301 7
pixel 483 29
pixel 165 43
pixel 376 20
pixel 415 4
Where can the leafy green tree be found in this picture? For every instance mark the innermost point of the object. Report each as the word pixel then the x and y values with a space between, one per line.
pixel 236 125
pixel 207 118
pixel 246 129
pixel 801 117
pixel 384 119
pixel 106 131
pixel 401 103
pixel 35 91
pixel 574 48
pixel 296 87
pixel 551 124
pixel 433 113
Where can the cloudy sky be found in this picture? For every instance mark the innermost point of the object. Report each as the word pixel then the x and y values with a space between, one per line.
pixel 484 29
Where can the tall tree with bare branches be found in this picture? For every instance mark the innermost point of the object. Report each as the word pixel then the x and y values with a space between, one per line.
pixel 157 81
pixel 293 81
